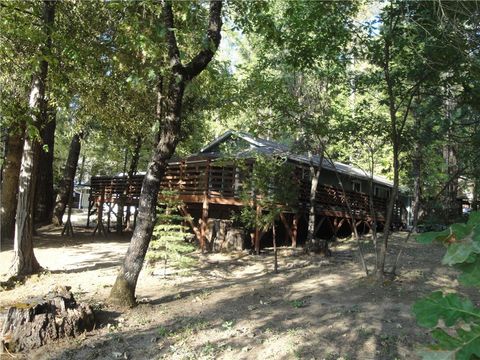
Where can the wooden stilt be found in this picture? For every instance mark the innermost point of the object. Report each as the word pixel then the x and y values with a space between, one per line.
pixel 108 216
pixel 135 217
pixel 68 228
pixel 320 223
pixel 288 230
pixel 204 223
pixel 257 231
pixel 295 230
pixel 189 220
pixel 91 204
pixel 100 228
pixel 331 225
pixel 339 225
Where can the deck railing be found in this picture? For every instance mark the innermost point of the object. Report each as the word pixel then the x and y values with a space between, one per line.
pixel 218 180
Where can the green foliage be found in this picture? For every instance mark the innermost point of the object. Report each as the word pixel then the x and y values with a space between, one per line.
pixel 169 236
pixel 271 186
pixel 452 311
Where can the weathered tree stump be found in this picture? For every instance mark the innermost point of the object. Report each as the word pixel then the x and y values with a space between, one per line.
pixel 31 325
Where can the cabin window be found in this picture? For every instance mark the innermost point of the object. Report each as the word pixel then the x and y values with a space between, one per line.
pixel 356 186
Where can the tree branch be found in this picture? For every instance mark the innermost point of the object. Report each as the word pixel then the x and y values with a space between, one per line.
pixel 173 52
pixel 201 60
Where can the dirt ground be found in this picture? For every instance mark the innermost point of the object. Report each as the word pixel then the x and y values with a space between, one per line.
pixel 232 306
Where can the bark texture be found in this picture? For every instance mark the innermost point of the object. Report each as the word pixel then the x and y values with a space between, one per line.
pixel 24 262
pixel 131 171
pixel 11 172
pixel 44 193
pixel 65 187
pixel 123 291
pixel 312 245
pixel 58 316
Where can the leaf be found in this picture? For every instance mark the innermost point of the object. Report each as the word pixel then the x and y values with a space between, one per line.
pixel 458 253
pixel 428 237
pixel 470 273
pixel 449 308
pixel 461 231
pixel 437 355
pixel 474 218
pixel 462 347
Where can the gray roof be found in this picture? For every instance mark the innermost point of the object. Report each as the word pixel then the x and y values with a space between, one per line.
pixel 269 147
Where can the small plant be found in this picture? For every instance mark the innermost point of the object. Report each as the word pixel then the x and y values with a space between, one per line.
pixel 162 331
pixel 168 243
pixel 297 303
pixel 228 325
pixel 454 320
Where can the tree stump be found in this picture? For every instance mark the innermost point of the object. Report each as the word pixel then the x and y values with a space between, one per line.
pixel 31 325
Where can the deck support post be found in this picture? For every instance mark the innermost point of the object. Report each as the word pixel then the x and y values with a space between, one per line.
pixel 295 230
pixel 204 222
pixel 320 223
pixel 100 228
pixel 257 230
pixel 205 208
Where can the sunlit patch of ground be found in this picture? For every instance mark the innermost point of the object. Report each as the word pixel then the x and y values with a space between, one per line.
pixel 232 306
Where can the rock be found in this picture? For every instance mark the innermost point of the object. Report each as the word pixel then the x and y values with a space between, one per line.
pixel 222 236
pixel 41 321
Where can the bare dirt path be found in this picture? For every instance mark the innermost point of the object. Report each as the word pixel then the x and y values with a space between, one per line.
pixel 231 306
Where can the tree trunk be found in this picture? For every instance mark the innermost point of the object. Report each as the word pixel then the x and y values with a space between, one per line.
pixel 382 255
pixel 131 171
pixel 275 255
pixel 311 244
pixel 44 194
pixel 11 172
pixel 65 187
pixel 24 262
pixel 56 316
pixel 123 291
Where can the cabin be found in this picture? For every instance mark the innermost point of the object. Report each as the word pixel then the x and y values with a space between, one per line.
pixel 209 183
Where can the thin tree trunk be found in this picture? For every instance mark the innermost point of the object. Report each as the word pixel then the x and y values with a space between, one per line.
pixel 417 171
pixel 132 171
pixel 274 238
pixel 11 173
pixel 311 244
pixel 350 211
pixel 24 262
pixel 65 187
pixel 382 254
pixel 123 291
pixel 44 194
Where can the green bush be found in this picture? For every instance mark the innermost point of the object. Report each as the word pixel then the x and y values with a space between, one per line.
pixel 454 320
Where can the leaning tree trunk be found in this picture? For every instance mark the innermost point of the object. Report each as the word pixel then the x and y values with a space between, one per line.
pixel 382 254
pixel 68 175
pixel 11 172
pixel 24 262
pixel 44 200
pixel 123 291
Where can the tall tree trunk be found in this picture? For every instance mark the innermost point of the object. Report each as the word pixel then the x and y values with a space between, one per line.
pixel 131 171
pixel 382 255
pixel 44 194
pixel 311 244
pixel 275 254
pixel 123 291
pixel 24 261
pixel 65 187
pixel 11 172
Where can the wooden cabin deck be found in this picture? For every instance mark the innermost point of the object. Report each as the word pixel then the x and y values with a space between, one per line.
pixel 213 188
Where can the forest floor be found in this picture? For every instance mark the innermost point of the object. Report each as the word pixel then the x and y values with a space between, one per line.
pixel 232 306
